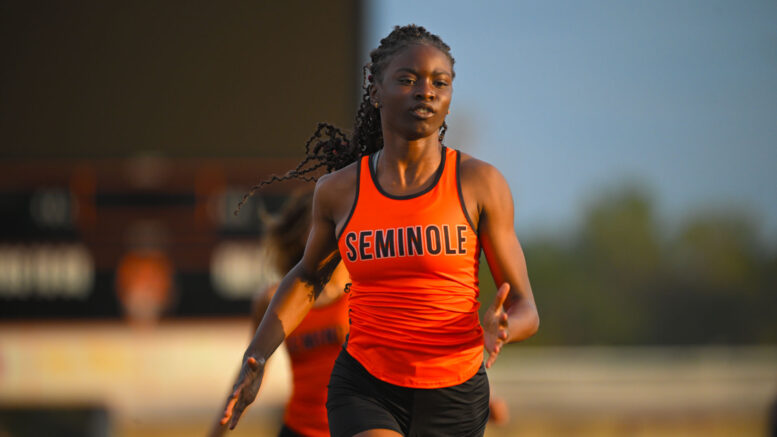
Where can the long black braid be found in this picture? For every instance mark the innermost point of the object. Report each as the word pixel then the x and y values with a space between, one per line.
pixel 329 147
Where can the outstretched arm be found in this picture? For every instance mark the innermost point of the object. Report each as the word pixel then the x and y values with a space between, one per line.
pixel 513 315
pixel 292 301
pixel 258 307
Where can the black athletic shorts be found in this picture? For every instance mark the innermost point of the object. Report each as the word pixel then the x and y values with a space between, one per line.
pixel 288 432
pixel 357 401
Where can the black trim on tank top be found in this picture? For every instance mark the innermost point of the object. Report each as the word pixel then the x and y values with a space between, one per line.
pixel 437 176
pixel 355 200
pixel 461 196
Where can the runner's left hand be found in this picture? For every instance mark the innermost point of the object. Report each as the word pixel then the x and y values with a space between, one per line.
pixel 495 327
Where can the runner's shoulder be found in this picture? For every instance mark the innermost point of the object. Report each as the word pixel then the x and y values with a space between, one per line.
pixel 479 172
pixel 335 187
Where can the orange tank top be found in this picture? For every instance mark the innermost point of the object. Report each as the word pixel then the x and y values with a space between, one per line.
pixel 413 262
pixel 313 347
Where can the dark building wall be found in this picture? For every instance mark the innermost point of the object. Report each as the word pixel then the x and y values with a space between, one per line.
pixel 195 79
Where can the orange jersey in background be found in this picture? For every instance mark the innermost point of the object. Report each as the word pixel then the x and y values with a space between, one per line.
pixel 313 347
pixel 413 262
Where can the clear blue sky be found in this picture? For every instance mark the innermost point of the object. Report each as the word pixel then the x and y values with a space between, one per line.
pixel 568 98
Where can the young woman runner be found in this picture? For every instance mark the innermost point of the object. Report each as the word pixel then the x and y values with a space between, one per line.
pixel 409 217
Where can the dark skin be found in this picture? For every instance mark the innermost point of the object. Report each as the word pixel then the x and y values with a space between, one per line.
pixel 413 95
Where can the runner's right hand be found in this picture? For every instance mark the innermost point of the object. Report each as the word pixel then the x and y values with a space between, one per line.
pixel 244 392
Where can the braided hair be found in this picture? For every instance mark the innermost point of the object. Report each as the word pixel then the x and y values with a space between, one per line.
pixel 329 147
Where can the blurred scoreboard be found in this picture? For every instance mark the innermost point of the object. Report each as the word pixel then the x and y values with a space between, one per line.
pixel 79 239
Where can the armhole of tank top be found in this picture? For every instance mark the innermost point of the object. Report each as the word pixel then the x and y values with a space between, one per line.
pixel 461 196
pixel 355 200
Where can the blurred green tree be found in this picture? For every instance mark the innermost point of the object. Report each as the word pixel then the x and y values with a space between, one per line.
pixel 626 278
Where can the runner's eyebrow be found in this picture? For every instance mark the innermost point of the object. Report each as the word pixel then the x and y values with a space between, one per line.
pixel 412 71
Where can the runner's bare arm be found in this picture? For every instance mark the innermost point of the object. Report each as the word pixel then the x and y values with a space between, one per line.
pixel 291 302
pixel 513 315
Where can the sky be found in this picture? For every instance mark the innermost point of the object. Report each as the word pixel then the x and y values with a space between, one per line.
pixel 570 99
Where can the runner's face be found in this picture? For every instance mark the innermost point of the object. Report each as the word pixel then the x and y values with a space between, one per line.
pixel 415 92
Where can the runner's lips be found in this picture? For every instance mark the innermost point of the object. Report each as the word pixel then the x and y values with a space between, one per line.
pixel 422 110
